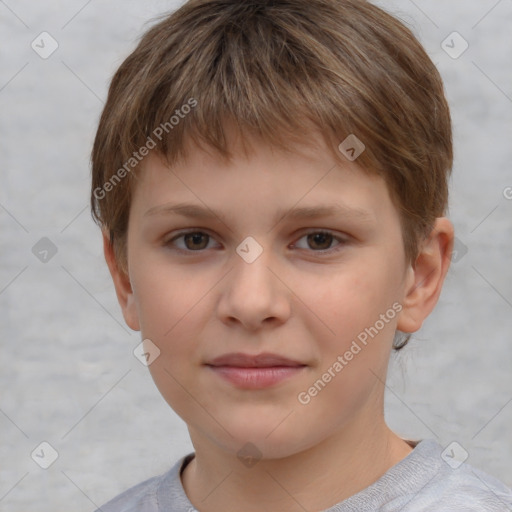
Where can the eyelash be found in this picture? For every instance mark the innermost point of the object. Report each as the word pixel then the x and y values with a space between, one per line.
pixel 341 242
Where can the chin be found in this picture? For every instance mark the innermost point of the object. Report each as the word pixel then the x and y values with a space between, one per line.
pixel 264 437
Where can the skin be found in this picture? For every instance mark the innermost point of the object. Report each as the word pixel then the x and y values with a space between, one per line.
pixel 301 298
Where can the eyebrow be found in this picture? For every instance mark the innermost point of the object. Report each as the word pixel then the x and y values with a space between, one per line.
pixel 305 212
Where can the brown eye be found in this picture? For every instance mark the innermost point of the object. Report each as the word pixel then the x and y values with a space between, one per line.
pixel 196 241
pixel 320 241
pixel 188 242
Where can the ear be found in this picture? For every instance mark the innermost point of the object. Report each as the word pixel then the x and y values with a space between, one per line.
pixel 425 278
pixel 122 285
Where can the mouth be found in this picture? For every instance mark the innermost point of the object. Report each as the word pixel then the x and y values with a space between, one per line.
pixel 255 371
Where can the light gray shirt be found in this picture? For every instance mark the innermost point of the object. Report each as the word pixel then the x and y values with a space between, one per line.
pixel 421 482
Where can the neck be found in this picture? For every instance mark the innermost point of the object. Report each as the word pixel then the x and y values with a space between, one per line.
pixel 314 479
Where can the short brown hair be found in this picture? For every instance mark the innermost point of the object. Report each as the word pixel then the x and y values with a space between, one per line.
pixel 279 69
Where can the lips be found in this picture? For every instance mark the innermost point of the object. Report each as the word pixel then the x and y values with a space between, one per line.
pixel 255 371
pixel 257 361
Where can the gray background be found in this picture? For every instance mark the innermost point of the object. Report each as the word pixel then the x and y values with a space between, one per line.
pixel 67 372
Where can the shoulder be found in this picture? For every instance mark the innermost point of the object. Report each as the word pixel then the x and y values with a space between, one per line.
pixel 468 489
pixel 141 497
pixel 153 495
pixel 430 480
pixel 449 486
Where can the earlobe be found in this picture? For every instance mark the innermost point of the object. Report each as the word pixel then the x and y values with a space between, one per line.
pixel 123 287
pixel 424 281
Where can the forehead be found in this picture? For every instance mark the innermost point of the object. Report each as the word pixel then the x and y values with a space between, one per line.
pixel 303 182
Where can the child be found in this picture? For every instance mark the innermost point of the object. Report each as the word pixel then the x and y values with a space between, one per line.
pixel 271 180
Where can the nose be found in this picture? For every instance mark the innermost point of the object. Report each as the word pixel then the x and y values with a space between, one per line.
pixel 253 296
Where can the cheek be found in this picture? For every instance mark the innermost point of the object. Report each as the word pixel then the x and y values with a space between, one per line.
pixel 172 310
pixel 349 300
pixel 169 303
pixel 353 360
pixel 350 304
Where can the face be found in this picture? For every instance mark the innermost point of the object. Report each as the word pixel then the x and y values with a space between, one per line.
pixel 272 287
